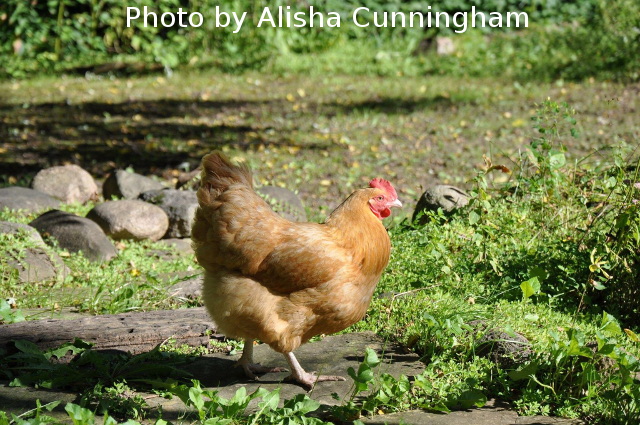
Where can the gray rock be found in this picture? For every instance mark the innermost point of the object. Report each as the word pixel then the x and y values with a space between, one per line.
pixel 171 249
pixel 69 183
pixel 188 289
pixel 123 184
pixel 505 349
pixel 494 413
pixel 130 219
pixel 284 202
pixel 183 246
pixel 332 355
pixel 23 198
pixel 179 205
pixel 449 198
pixel 35 264
pixel 9 227
pixel 76 234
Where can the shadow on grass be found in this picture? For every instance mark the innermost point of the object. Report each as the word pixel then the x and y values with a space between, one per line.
pixel 560 270
pixel 153 135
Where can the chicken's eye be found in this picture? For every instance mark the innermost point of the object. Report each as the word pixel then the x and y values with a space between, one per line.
pixel 379 198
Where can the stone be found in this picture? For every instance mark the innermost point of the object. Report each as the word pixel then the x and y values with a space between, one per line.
pixel 130 219
pixel 9 227
pixel 179 205
pixel 331 355
pixel 448 198
pixel 29 200
pixel 494 413
pixel 182 246
pixel 69 183
pixel 189 289
pixel 123 184
pixel 76 234
pixel 35 264
pixel 284 202
pixel 505 349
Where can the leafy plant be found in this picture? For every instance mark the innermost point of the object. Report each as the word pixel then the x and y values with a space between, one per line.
pixel 577 375
pixel 117 400
pixel 35 416
pixel 8 314
pixel 32 366
pixel 213 409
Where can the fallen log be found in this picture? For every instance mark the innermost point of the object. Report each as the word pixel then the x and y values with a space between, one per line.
pixel 131 332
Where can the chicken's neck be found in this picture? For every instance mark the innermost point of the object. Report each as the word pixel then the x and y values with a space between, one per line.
pixel 362 232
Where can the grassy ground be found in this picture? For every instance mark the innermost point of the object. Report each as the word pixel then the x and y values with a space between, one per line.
pixel 320 136
pixel 539 252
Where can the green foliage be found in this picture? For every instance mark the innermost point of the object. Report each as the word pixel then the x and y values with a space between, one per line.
pixel 521 238
pixel 601 40
pixel 117 400
pixel 364 376
pixel 578 377
pixel 554 122
pixel 77 414
pixel 546 241
pixel 213 409
pixel 60 34
pixel 132 280
pixel 442 387
pixel 36 416
pixel 31 366
pixel 9 315
pixel 568 39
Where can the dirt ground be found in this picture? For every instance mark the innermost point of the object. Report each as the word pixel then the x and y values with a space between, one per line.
pixel 321 137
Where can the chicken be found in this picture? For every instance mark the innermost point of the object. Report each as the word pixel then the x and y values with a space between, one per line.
pixel 281 282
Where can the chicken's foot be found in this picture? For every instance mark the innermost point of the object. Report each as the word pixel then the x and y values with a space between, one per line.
pixel 250 368
pixel 306 379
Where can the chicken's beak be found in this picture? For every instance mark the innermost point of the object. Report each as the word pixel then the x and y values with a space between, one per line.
pixel 395 203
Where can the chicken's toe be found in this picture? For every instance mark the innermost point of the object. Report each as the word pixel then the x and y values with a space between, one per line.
pixel 308 380
pixel 251 369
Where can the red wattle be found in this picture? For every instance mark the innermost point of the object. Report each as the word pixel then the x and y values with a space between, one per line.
pixel 380 213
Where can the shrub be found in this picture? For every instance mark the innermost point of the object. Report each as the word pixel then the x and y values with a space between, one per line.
pixel 569 39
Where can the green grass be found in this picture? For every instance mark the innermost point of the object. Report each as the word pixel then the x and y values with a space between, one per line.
pixel 596 38
pixel 134 280
pixel 547 251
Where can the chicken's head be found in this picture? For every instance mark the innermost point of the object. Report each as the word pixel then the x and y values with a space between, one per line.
pixel 382 202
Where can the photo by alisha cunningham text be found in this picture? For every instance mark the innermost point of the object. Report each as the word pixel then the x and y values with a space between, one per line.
pixel 286 17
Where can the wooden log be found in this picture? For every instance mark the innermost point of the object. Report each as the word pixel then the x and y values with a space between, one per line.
pixel 132 332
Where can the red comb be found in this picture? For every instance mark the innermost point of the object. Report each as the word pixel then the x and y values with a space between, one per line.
pixel 384 185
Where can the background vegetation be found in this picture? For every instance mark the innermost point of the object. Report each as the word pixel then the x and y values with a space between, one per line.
pixel 567 39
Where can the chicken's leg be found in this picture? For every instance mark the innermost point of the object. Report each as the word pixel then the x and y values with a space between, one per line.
pixel 306 379
pixel 250 368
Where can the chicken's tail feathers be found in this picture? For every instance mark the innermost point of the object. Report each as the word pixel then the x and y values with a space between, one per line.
pixel 218 173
